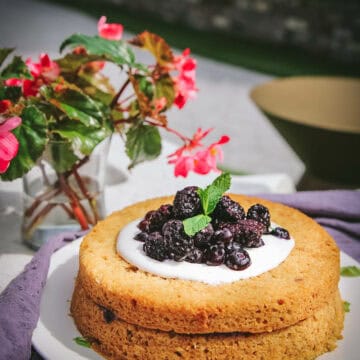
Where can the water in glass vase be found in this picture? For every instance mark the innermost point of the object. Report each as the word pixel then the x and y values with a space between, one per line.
pixel 56 202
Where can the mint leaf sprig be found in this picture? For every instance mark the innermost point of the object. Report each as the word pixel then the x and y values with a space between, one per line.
pixel 350 271
pixel 82 342
pixel 209 197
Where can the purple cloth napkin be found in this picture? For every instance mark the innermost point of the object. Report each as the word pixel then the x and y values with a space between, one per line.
pixel 338 211
pixel 20 301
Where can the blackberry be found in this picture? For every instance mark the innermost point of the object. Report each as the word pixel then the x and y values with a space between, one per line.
pixel 214 255
pixel 141 236
pixel 155 219
pixel 195 256
pixel 187 203
pixel 229 210
pixel 246 232
pixel 280 233
pixel 179 244
pixel 238 259
pixel 223 236
pixel 144 225
pixel 203 237
pixel 155 246
pixel 261 214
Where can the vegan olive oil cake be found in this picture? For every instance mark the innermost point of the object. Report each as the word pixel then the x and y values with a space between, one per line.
pixel 293 311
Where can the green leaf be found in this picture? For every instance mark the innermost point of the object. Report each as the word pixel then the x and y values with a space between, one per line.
pixel 211 195
pixel 350 271
pixel 82 138
pixel 31 135
pixel 76 105
pixel 82 342
pixel 16 69
pixel 145 85
pixel 346 306
pixel 222 183
pixel 196 223
pixel 164 87
pixel 97 86
pixel 156 45
pixel 12 93
pixel 4 53
pixel 115 51
pixel 72 62
pixel 143 142
pixel 60 155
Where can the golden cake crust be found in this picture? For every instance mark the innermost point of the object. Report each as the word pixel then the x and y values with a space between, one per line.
pixel 118 339
pixel 291 292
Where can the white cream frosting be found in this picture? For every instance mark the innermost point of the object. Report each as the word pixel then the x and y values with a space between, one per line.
pixel 263 259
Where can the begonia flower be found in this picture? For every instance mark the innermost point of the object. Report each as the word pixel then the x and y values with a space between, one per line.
pixel 4 105
pixel 109 31
pixel 202 161
pixel 43 72
pixel 185 83
pixel 9 144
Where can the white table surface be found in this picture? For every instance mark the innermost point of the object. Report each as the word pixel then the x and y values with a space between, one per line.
pixel 147 180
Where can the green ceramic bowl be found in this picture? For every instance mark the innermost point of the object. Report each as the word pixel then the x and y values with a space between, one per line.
pixel 320 118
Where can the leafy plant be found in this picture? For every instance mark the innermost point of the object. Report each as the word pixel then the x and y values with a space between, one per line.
pixel 69 101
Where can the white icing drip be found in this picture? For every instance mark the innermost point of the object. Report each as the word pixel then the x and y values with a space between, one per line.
pixel 263 259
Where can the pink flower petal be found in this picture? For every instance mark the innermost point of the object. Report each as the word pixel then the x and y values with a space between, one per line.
pixel 109 31
pixel 10 124
pixel 9 146
pixel 13 82
pixel 4 164
pixel 183 166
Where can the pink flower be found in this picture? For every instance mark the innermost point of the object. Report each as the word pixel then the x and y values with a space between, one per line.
pixel 201 162
pixel 109 31
pixel 192 144
pixel 43 72
pixel 185 84
pixel 45 68
pixel 9 144
pixel 4 105
pixel 13 82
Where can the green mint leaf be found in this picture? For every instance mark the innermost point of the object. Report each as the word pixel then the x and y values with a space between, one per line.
pixel 346 306
pixel 350 271
pixel 82 342
pixel 195 224
pixel 213 193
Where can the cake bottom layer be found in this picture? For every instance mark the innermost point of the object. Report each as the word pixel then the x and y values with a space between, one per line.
pixel 114 338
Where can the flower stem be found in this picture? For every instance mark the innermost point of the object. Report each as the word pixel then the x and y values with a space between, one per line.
pixel 170 130
pixel 87 195
pixel 38 218
pixel 117 96
pixel 78 210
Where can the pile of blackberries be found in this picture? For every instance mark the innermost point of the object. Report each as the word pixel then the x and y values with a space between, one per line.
pixel 220 242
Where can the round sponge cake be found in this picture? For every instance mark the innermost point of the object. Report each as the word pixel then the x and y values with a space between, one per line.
pixel 117 339
pixel 295 290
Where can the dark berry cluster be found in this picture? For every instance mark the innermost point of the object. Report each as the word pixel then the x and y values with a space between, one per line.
pixel 223 241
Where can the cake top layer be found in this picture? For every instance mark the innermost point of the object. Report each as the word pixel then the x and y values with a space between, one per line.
pixel 278 298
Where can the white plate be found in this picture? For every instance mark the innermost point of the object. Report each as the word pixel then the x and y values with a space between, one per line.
pixel 55 331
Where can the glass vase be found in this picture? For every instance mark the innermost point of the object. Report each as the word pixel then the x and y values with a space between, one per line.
pixel 59 198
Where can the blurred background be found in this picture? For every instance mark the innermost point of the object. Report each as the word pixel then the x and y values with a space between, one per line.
pixel 238 44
